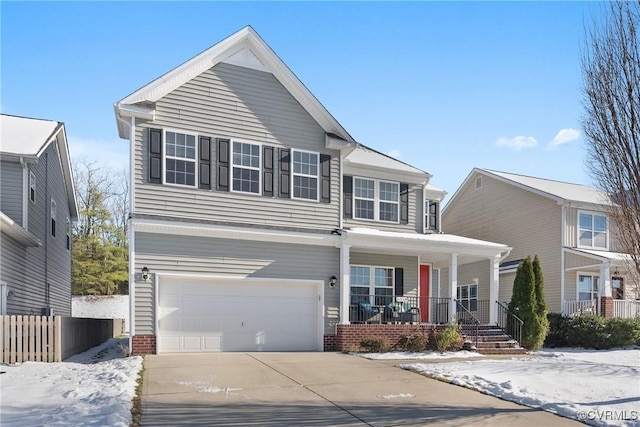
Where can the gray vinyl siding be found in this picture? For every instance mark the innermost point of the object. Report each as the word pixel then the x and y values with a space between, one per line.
pixel 12 267
pixel 529 223
pixel 233 102
pixel 50 263
pixel 414 225
pixel 408 263
pixel 207 256
pixel 11 199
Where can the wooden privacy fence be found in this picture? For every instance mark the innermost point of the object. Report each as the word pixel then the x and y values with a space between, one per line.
pixel 31 338
pixel 52 338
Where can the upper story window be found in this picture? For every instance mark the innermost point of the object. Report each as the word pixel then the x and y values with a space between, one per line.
pixel 431 208
pixel 305 175
pixel 245 174
pixel 68 232
pixel 180 158
pixel 32 186
pixel 593 230
pixel 54 213
pixel 376 200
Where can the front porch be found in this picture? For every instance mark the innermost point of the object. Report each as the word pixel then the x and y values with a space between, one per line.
pixel 604 306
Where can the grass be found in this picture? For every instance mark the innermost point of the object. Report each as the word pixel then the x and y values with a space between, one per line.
pixel 136 409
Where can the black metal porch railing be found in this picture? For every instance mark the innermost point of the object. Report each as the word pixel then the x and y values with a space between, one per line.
pixel 366 308
pixel 469 323
pixel 509 322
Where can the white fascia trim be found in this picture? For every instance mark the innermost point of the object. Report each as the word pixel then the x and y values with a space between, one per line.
pixel 384 174
pixel 245 38
pixel 234 233
pixel 422 244
pixel 13 229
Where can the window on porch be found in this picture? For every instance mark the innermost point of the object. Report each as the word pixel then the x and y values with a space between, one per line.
pixel 468 296
pixel 369 281
pixel 587 287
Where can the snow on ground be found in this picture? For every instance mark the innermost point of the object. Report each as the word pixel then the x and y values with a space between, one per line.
pixel 101 307
pixel 91 388
pixel 464 354
pixel 599 387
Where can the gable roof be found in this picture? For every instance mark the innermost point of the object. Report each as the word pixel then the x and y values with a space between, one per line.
pixel 245 48
pixel 25 137
pixel 564 193
pixel 363 157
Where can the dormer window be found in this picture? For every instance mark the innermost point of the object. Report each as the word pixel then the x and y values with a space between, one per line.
pixel 593 230
pixel 376 200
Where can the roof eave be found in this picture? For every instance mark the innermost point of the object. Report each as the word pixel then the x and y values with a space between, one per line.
pixel 13 229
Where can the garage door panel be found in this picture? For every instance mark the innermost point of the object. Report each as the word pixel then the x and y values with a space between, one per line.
pixel 214 315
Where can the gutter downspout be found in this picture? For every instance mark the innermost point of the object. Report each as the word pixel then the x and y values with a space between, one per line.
pixel 563 242
pixel 131 233
pixel 340 198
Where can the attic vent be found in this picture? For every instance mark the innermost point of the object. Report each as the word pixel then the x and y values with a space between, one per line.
pixel 478 182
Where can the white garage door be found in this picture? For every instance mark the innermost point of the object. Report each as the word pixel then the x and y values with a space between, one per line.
pixel 237 315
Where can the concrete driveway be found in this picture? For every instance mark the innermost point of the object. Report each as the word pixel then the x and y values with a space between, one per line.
pixel 313 389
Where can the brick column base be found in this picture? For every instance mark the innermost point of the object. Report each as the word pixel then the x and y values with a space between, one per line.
pixel 143 344
pixel 606 307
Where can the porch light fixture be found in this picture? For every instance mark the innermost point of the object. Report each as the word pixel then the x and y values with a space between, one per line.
pixel 332 281
pixel 145 273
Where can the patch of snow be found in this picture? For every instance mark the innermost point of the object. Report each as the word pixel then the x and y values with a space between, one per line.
pixel 92 388
pixel 397 396
pixel 101 307
pixel 598 387
pixel 406 355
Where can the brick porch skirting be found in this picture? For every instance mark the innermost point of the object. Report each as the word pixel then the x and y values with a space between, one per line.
pixel 348 337
pixel 143 344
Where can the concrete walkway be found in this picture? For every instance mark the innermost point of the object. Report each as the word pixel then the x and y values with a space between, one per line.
pixel 313 389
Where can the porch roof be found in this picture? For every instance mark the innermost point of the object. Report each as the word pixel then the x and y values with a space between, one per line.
pixel 615 258
pixel 436 248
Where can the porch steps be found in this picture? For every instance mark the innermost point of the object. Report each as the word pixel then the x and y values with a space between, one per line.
pixel 493 340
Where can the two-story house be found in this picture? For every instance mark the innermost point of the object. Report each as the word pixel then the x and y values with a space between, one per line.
pixel 37 209
pixel 259 223
pixel 565 224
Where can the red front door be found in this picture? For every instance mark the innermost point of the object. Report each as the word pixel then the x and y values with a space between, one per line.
pixel 425 279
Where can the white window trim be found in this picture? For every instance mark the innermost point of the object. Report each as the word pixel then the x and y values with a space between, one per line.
pixel 425 226
pixel 606 247
pixel 593 276
pixel 317 177
pixel 259 168
pixel 32 186
pixel 372 277
pixel 468 285
pixel 67 227
pixel 165 157
pixel 376 200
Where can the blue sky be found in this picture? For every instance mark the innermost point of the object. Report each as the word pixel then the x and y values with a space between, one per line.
pixel 444 86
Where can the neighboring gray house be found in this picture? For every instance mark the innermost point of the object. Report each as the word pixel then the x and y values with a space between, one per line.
pixel 565 224
pixel 37 208
pixel 259 223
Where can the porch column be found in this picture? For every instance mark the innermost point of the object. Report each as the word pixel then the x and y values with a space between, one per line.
pixel 453 287
pixel 345 284
pixel 494 288
pixel 604 287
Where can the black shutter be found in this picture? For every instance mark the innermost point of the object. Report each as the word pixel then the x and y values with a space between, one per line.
pixel 399 281
pixel 347 196
pixel 285 173
pixel 404 203
pixel 155 156
pixel 325 178
pixel 205 163
pixel 223 165
pixel 267 171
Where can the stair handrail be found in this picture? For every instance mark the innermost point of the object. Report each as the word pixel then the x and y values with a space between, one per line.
pixel 470 316
pixel 503 311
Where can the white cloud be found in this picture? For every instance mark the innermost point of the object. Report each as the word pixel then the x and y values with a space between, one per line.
pixel 113 154
pixel 564 136
pixel 396 154
pixel 517 143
